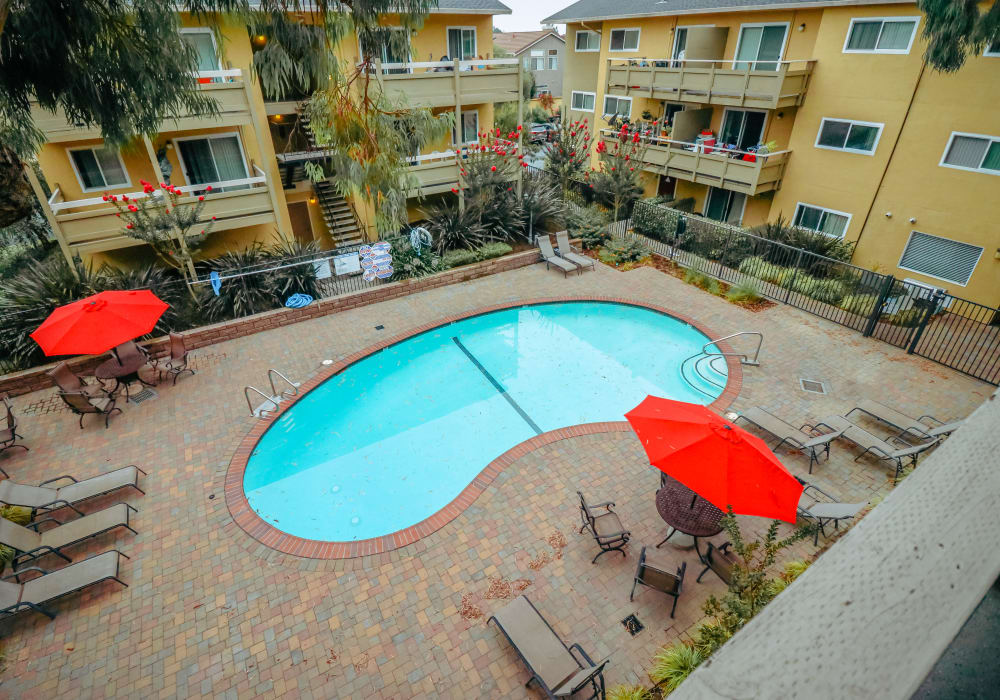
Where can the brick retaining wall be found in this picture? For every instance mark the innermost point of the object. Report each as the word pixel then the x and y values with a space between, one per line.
pixel 36 378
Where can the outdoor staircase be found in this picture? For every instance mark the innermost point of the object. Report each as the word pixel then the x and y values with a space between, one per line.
pixel 338 215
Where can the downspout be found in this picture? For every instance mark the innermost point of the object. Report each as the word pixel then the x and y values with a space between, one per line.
pixel 888 162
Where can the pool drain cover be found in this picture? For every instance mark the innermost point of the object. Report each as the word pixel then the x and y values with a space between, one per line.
pixel 145 395
pixel 633 625
pixel 813 386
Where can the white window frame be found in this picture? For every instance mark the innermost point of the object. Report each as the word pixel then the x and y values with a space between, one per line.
pixel 991 139
pixel 105 188
pixel 581 92
pixel 542 89
pixel 784 43
pixel 677 29
pixel 909 238
pixel 475 42
pixel 616 97
pixel 586 31
pixel 215 45
pixel 825 210
pixel 548 62
pixel 210 135
pixel 456 135
pixel 409 47
pixel 852 122
pixel 898 52
pixel 638 39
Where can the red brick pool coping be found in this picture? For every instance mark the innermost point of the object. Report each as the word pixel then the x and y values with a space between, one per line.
pixel 269 536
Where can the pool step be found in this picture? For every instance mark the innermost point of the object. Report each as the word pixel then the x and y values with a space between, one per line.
pixel 702 371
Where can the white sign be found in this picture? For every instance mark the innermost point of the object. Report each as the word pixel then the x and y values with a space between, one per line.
pixel 348 264
pixel 322 269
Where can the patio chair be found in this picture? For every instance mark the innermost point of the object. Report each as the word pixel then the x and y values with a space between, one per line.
pixel 81 404
pixel 871 444
pixel 176 363
pixel 31 595
pixel 28 542
pixel 566 252
pixel 606 527
pixel 45 498
pixel 817 506
pixel 658 578
pixel 916 426
pixel 72 383
pixel 559 672
pixel 721 561
pixel 9 435
pixel 550 257
pixel 789 435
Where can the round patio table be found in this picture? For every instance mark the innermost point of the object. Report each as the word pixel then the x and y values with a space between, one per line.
pixel 124 373
pixel 685 511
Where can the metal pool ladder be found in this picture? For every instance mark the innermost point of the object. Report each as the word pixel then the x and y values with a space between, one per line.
pixel 705 360
pixel 270 403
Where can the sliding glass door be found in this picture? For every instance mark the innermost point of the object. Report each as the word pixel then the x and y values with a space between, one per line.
pixel 742 128
pixel 461 43
pixel 211 159
pixel 724 205
pixel 760 46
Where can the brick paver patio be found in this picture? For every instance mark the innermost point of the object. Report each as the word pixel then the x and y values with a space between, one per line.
pixel 211 612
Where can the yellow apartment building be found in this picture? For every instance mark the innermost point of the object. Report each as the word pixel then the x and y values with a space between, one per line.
pixel 251 154
pixel 862 139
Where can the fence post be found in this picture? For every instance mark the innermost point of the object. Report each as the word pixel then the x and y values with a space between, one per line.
pixel 876 312
pixel 795 274
pixel 678 232
pixel 935 301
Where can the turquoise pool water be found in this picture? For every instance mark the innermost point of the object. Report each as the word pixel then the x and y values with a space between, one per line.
pixel 398 435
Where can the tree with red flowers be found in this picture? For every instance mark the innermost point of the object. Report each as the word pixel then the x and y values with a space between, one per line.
pixel 568 156
pixel 172 228
pixel 616 183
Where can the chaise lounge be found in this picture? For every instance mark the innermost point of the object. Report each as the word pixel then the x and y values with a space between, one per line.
pixel 566 252
pixel 817 506
pixel 558 671
pixel 790 435
pixel 45 498
pixel 871 444
pixel 33 594
pixel 906 425
pixel 550 257
pixel 29 543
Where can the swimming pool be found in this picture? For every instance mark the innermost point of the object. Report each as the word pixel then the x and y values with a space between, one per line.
pixel 396 436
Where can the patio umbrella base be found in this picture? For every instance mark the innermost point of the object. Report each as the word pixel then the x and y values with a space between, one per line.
pixel 678 539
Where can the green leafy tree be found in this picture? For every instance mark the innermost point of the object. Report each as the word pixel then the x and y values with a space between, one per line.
pixel 616 183
pixel 957 29
pixel 566 158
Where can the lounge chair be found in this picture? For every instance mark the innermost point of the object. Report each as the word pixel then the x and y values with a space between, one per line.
pixel 916 426
pixel 71 383
pixel 721 561
pixel 790 435
pixel 30 543
pixel 657 577
pixel 176 363
pixel 566 252
pixel 81 404
pixel 31 595
pixel 9 435
pixel 606 527
pixel 871 444
pixel 550 257
pixel 45 498
pixel 558 671
pixel 817 506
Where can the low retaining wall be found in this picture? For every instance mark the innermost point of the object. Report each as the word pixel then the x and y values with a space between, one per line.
pixel 36 378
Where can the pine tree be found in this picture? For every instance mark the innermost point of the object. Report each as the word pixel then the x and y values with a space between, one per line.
pixel 956 29
pixel 566 158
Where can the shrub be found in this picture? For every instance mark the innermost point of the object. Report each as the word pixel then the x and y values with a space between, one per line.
pixel 407 262
pixel 164 283
pixel 15 514
pixel 746 292
pixel 492 250
pixel 861 304
pixel 453 229
pixel 789 572
pixel 908 318
pixel 245 295
pixel 297 279
pixel 457 258
pixel 672 664
pixel 760 268
pixel 830 291
pixel 621 251
pixel 696 277
pixel 782 231
pixel 628 692
pixel 654 221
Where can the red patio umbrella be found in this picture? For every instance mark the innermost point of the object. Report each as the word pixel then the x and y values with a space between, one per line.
pixel 100 322
pixel 716 459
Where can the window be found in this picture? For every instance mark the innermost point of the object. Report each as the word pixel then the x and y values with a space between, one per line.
pixel 850 136
pixel 203 42
pixel 742 128
pixel 624 40
pixel 940 258
pixel 470 128
pixel 587 41
pixel 99 168
pixel 822 220
pixel 972 152
pixel 881 35
pixel 760 46
pixel 724 205
pixel 621 106
pixel 583 101
pixel 542 90
pixel 210 159
pixel 669 110
pixel 461 43
pixel 553 59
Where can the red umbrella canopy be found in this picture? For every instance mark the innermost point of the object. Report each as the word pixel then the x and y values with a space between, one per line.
pixel 100 322
pixel 716 459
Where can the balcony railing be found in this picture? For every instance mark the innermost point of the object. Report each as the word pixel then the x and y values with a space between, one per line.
pixel 721 82
pixel 740 171
pixel 451 83
pixel 91 225
pixel 225 86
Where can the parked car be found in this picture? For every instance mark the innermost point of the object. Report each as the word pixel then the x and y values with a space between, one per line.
pixel 541 133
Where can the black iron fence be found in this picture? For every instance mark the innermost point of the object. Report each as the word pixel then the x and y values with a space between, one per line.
pixel 924 321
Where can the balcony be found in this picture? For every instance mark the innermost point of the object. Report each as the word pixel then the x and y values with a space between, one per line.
pixel 451 83
pixel 90 225
pixel 714 82
pixel 718 167
pixel 226 86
